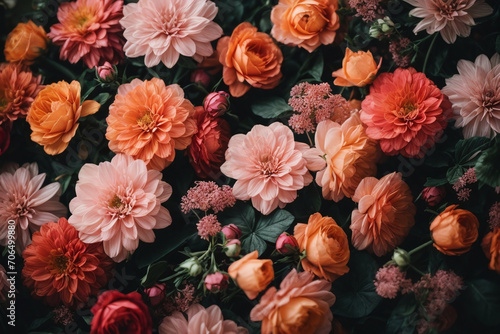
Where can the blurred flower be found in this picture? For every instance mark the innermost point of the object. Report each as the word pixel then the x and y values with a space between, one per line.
pixel 156 293
pixel 199 320
pixel 475 96
pixel 149 121
pixel 216 103
pixel 358 69
pixel 119 203
pixel 200 76
pixel 326 247
pixel 4 285
pixel 5 129
pixel 60 268
pixel 389 281
pixel 116 312
pixel 231 231
pixel 250 59
pixel 286 244
pixel 54 114
pixel 451 19
pixel 301 305
pixel 18 89
pixel 106 72
pixel 163 30
pixel 491 248
pixel 434 195
pixel 191 266
pixel 208 226
pixel 305 23
pixel 368 10
pixel 454 230
pixel 232 248
pixel 494 215
pixel 385 214
pixel 62 315
pixel 405 111
pixel 402 51
pixel 89 30
pixel 268 166
pixel 207 195
pixel 27 203
pixel 25 43
pixel 251 274
pixel 216 282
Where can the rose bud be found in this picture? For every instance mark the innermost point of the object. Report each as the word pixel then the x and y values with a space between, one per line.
pixel 216 103
pixel 201 77
pixel 232 231
pixel 286 244
pixel 216 282
pixel 106 72
pixel 434 195
pixel 401 257
pixel 156 293
pixel 192 266
pixel 358 69
pixel 232 248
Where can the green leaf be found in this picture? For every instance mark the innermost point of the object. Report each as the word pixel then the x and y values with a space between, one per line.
pixel 153 273
pixel 241 215
pixel 270 107
pixel 253 242
pixel 454 173
pixel 482 299
pixel 41 321
pixel 431 182
pixel 487 170
pixel 270 227
pixel 308 202
pixel 316 70
pixel 467 149
pixel 403 317
pixel 102 98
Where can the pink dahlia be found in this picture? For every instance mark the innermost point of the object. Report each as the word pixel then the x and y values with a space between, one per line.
pixel 24 201
pixel 475 96
pixel 406 112
pixel 450 18
pixel 89 30
pixel 162 30
pixel 268 166
pixel 119 203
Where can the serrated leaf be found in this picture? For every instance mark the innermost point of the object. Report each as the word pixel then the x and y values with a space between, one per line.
pixel 241 215
pixel 253 242
pixel 270 227
pixel 486 168
pixel 270 107
pixel 153 273
pixel 467 149
pixel 454 173
pixel 482 299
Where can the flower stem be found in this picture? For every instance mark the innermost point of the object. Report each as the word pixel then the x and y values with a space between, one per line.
pixel 429 51
pixel 417 270
pixel 308 137
pixel 59 68
pixel 420 247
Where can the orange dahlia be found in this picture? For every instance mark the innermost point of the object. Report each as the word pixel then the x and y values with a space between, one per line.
pixel 149 121
pixel 61 268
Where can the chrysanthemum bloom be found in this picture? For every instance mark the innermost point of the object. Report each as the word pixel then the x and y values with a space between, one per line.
pixel 349 153
pixel 119 203
pixel 25 43
pixel 305 23
pixel 61 268
pixel 268 166
pixel 199 320
pixel 301 305
pixel 163 30
pixel 475 96
pixel 385 214
pixel 249 59
pixel 450 18
pixel 149 121
pixel 24 201
pixel 54 114
pixel 18 89
pixel 405 111
pixel 89 30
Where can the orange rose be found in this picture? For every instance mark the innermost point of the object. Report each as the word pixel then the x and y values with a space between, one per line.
pixel 305 23
pixel 358 69
pixel 251 274
pixel 326 246
pixel 249 58
pixel 491 247
pixel 454 231
pixel 54 114
pixel 25 43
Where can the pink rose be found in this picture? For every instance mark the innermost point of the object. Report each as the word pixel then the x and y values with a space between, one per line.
pixel 216 282
pixel 216 103
pixel 434 195
pixel 232 231
pixel 156 293
pixel 286 243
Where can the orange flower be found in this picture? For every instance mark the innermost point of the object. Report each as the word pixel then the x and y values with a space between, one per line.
pixel 454 231
pixel 326 246
pixel 149 121
pixel 54 114
pixel 358 69
pixel 250 58
pixel 25 43
pixel 491 248
pixel 385 213
pixel 251 274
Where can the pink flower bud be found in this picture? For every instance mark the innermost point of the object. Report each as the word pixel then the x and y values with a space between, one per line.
pixel 216 282
pixel 106 72
pixel 286 244
pixel 217 103
pixel 232 248
pixel 231 231
pixel 200 76
pixel 156 293
pixel 434 195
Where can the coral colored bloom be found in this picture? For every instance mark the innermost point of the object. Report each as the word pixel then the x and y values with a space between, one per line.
pixel 475 96
pixel 27 203
pixel 406 111
pixel 301 305
pixel 491 248
pixel 149 121
pixel 119 203
pixel 89 30
pixel 25 43
pixel 251 274
pixel 305 23
pixel 60 268
pixel 268 166
pixel 199 320
pixel 450 18
pixel 385 214
pixel 250 59
pixel 162 30
pixel 358 69
pixel 54 114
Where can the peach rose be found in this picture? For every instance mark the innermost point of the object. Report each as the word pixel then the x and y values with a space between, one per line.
pixel 305 23
pixel 358 69
pixel 454 231
pixel 251 274
pixel 25 43
pixel 249 58
pixel 491 248
pixel 54 114
pixel 326 246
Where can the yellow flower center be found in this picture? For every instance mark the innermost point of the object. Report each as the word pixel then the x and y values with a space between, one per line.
pixel 115 202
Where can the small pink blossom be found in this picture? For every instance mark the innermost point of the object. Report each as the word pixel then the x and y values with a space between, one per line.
pixel 401 51
pixel 208 226
pixel 207 195
pixel 494 214
pixel 368 10
pixel 185 298
pixel 106 72
pixel 389 281
pixel 62 315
